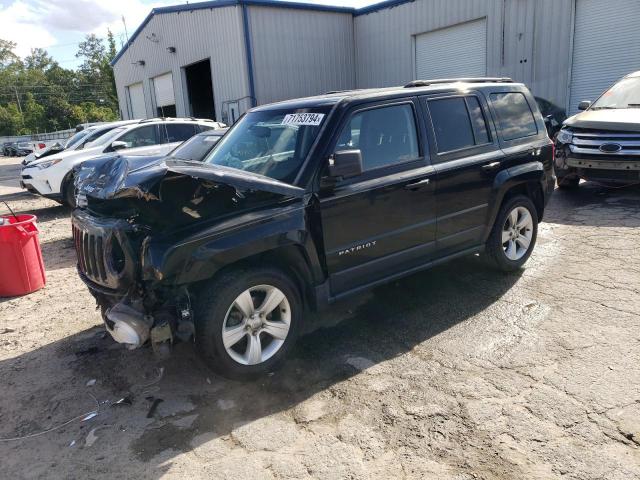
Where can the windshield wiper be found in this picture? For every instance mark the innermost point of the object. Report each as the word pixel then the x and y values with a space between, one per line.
pixel 633 105
pixel 604 108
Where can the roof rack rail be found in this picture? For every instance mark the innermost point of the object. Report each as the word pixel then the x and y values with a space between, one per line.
pixel 152 119
pixel 331 92
pixel 436 81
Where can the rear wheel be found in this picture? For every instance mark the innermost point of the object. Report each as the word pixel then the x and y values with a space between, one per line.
pixel 247 321
pixel 514 234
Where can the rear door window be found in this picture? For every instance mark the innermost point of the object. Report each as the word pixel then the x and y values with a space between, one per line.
pixel 515 117
pixel 451 124
pixel 140 137
pixel 179 132
pixel 458 123
pixel 384 135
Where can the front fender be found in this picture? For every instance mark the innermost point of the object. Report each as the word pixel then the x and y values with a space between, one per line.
pixel 200 255
pixel 531 173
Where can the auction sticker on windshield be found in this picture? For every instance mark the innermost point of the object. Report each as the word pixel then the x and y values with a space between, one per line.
pixel 311 119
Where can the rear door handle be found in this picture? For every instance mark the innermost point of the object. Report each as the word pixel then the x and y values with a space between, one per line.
pixel 417 185
pixel 490 167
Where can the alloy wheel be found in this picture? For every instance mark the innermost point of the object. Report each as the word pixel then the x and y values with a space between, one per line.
pixel 517 233
pixel 256 325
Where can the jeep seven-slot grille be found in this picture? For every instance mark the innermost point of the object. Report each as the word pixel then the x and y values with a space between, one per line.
pixel 90 249
pixel 593 142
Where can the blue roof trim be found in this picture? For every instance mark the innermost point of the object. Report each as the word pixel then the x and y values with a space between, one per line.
pixel 188 7
pixel 379 6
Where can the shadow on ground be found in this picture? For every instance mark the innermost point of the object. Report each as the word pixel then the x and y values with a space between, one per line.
pixel 380 325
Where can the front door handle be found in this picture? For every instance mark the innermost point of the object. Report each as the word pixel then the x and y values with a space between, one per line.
pixel 417 185
pixel 490 167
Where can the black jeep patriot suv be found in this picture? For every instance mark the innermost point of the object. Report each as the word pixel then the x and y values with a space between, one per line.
pixel 304 202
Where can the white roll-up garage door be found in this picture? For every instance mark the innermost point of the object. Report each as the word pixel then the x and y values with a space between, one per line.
pixel 163 86
pixel 136 100
pixel 606 46
pixel 457 51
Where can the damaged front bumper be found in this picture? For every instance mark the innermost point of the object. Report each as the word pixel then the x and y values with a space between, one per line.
pixel 134 311
pixel 603 168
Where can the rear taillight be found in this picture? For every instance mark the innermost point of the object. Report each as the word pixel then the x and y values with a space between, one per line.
pixel 42 145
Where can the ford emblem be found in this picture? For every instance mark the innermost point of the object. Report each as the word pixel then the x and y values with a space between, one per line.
pixel 610 147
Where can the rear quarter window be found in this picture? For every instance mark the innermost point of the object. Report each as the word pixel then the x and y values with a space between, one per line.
pixel 515 118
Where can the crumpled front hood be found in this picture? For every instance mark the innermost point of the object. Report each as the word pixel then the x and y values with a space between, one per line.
pixel 621 119
pixel 141 177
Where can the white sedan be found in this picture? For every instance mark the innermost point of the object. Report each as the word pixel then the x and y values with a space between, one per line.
pixel 52 176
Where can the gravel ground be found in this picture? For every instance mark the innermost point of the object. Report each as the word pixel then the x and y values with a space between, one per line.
pixel 455 373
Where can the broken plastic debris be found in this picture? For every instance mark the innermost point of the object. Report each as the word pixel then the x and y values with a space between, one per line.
pixel 90 416
pixel 82 417
pixel 123 401
pixel 73 442
pixel 91 382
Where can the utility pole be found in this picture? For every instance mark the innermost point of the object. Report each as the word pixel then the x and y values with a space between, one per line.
pixel 18 99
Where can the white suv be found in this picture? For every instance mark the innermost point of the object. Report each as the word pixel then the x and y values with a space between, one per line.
pixel 77 141
pixel 52 176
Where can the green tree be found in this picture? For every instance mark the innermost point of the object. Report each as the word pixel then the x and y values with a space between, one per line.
pixel 11 122
pixel 33 114
pixel 39 59
pixel 7 55
pixel 37 94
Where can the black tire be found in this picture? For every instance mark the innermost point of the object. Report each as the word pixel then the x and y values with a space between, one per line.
pixel 495 248
pixel 216 298
pixel 69 191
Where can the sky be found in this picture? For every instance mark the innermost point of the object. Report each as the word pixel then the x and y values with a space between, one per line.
pixel 59 25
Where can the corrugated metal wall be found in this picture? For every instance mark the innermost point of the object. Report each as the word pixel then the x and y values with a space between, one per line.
pixel 384 40
pixel 297 53
pixel 197 35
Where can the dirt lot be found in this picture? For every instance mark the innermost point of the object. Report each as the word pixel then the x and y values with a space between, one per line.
pixel 456 373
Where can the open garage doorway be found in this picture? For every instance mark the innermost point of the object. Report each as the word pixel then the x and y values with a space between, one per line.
pixel 200 90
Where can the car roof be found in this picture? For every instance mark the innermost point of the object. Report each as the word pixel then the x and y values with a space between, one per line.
pixel 416 87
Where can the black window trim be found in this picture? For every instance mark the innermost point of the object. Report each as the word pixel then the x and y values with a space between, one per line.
pixel 492 141
pixel 499 129
pixel 379 172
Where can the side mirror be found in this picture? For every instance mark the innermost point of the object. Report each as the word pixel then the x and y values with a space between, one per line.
pixel 346 164
pixel 584 105
pixel 117 145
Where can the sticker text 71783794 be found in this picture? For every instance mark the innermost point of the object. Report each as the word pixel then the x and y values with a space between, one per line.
pixel 311 119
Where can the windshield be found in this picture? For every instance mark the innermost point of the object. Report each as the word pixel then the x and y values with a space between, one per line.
pixel 77 138
pixel 24 145
pixel 624 94
pixel 197 147
pixel 273 143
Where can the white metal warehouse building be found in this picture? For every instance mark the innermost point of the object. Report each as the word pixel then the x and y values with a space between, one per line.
pixel 217 59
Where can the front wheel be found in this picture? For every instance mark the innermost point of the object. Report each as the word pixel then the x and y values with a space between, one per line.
pixel 69 191
pixel 247 321
pixel 514 234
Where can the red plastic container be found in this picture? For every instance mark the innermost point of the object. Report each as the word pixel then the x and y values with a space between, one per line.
pixel 21 266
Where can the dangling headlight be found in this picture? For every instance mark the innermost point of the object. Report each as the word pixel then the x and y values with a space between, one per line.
pixel 565 136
